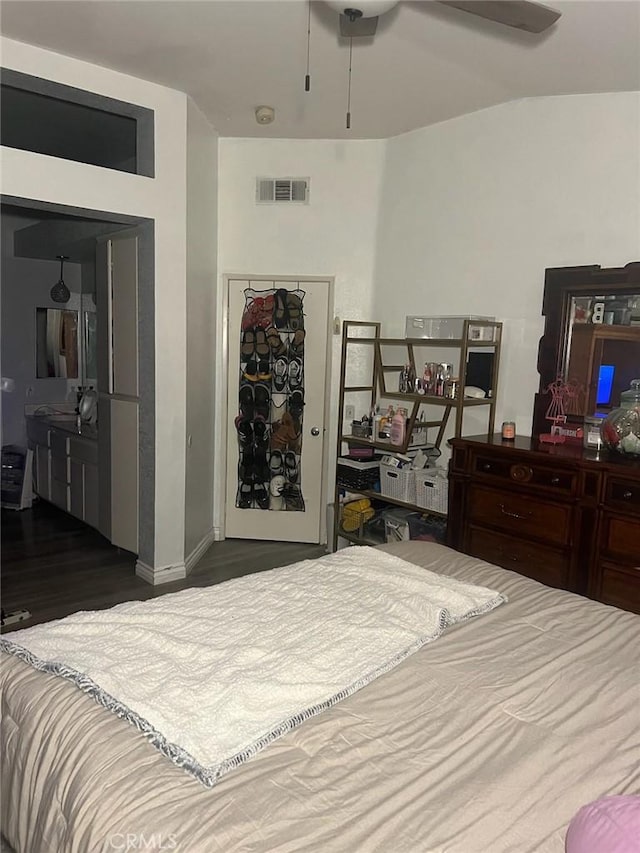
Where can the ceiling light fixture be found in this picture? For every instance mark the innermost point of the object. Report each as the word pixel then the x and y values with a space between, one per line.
pixel 60 292
pixel 362 9
pixel 265 115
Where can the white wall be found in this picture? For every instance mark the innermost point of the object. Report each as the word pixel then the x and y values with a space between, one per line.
pixel 202 240
pixel 38 177
pixel 475 209
pixel 334 235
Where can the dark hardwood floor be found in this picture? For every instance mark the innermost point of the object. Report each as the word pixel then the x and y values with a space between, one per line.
pixel 54 565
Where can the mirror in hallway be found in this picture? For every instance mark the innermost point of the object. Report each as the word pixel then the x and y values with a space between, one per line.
pixel 57 354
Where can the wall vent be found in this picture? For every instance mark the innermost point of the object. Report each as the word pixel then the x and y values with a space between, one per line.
pixel 276 190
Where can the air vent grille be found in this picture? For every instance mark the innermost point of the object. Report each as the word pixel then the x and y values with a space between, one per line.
pixel 278 190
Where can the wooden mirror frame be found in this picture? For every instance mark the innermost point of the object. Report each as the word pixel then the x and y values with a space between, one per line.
pixel 561 284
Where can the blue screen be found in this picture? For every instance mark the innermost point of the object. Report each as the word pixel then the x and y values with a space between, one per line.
pixel 605 384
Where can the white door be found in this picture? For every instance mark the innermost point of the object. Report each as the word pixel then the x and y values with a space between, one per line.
pixel 118 389
pixel 277 369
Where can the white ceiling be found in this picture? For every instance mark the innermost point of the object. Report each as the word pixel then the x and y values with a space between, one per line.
pixel 427 62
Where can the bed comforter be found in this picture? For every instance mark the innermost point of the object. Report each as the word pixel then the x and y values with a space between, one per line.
pixel 487 741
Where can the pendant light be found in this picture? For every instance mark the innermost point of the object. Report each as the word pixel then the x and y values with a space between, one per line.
pixel 60 292
pixel 307 78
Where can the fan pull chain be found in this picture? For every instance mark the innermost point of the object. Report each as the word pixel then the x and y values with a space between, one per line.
pixel 307 79
pixel 349 86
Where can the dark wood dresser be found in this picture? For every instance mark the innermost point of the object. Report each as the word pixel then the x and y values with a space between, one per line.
pixel 565 516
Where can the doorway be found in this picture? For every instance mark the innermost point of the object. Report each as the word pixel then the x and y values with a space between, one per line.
pixel 277 380
pixel 39 232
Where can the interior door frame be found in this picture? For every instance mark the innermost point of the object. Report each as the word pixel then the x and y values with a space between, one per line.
pixel 223 398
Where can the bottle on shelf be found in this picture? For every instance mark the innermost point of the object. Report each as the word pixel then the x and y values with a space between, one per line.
pixel 384 426
pixel 411 379
pixel 427 378
pixel 451 387
pixel 398 427
pixel 403 381
pixel 442 377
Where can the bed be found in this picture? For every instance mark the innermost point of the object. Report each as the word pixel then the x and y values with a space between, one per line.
pixel 486 741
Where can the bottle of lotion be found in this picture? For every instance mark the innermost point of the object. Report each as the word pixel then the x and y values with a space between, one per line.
pixel 398 425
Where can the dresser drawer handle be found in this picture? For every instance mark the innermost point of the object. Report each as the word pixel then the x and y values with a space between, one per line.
pixel 504 555
pixel 486 466
pixel 555 481
pixel 514 514
pixel 626 496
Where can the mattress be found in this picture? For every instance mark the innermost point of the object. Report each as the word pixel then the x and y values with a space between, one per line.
pixel 487 741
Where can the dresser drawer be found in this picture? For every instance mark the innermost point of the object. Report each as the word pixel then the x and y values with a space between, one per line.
pixel 543 564
pixel 560 480
pixel 519 514
pixel 620 586
pixel 622 494
pixel 621 536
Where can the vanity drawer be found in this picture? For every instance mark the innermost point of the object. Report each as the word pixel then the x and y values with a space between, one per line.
pixel 520 514
pixel 623 494
pixel 58 442
pixel 619 586
pixel 560 480
pixel 547 565
pixel 84 450
pixel 60 468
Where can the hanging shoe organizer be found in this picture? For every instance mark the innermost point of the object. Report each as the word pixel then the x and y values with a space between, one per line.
pixel 271 401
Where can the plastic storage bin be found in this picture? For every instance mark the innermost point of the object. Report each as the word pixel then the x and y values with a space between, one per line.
pixel 432 489
pixel 431 528
pixel 396 524
pixel 447 327
pixel 398 483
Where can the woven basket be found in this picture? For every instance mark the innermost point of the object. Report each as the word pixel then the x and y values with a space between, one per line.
pixel 397 483
pixel 432 489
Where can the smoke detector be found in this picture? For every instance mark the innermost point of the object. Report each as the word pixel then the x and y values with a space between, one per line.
pixel 265 115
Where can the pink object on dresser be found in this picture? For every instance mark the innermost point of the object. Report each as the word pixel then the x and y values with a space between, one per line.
pixel 608 825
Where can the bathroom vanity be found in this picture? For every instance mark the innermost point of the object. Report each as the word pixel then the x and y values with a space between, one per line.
pixel 65 461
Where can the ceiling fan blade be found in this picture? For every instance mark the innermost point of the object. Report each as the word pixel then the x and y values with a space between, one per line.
pixel 523 15
pixel 358 27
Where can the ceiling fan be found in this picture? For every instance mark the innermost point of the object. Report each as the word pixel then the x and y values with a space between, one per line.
pixel 361 18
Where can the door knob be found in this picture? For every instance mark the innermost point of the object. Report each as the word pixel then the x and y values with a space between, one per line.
pixel 315 431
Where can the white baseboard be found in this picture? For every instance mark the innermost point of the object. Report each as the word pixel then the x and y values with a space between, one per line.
pixel 162 574
pixel 203 546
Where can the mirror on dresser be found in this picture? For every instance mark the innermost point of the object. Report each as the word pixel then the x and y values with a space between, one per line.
pixel 591 337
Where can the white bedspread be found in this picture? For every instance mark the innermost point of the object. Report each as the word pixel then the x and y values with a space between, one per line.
pixel 212 676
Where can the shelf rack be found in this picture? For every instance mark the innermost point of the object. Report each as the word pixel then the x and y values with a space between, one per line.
pixel 379 389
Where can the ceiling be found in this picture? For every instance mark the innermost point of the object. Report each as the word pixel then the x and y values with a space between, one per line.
pixel 427 63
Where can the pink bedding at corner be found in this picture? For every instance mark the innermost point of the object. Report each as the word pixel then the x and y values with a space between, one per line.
pixel 488 741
